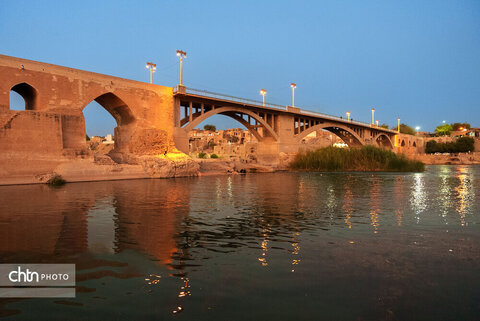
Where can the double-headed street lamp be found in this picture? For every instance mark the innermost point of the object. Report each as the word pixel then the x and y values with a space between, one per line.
pixel 181 54
pixel 263 92
pixel 152 67
pixel 293 85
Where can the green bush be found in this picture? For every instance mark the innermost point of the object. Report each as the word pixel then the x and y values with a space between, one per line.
pixel 461 145
pixel 366 158
pixel 202 155
pixel 214 156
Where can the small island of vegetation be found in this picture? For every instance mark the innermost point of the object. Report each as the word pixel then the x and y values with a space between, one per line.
pixel 366 158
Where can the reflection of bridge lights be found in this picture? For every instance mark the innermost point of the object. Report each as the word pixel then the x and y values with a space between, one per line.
pixel 374 221
pixel 264 247
pixel 419 196
pixel 296 249
pixel 465 194
pixel 348 205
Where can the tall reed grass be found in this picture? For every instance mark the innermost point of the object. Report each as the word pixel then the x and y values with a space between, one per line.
pixel 366 158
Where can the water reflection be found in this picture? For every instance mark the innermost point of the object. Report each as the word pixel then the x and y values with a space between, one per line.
pixel 465 193
pixel 418 197
pixel 399 196
pixel 375 191
pixel 184 239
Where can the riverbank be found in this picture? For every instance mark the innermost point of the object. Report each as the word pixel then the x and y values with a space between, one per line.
pixel 449 159
pixel 39 170
pixel 364 159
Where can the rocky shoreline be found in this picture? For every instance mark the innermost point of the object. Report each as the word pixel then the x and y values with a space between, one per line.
pixel 175 164
pixel 449 159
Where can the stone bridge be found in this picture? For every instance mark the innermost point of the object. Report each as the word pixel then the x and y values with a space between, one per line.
pixel 277 128
pixel 151 119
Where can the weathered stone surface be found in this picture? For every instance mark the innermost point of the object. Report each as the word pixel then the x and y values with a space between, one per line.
pixel 150 141
pixel 160 167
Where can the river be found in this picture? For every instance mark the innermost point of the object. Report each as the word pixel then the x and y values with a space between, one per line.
pixel 277 246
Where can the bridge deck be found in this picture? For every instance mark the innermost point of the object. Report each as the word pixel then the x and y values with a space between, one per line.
pixel 213 97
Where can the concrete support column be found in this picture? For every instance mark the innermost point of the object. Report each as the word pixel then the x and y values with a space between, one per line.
pixel 176 112
pixel 202 109
pixel 190 112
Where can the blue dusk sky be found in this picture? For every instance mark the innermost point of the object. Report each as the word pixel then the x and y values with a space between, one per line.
pixel 414 59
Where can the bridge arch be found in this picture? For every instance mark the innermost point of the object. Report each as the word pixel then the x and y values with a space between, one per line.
pixel 235 113
pixel 120 111
pixel 335 129
pixel 383 140
pixel 28 93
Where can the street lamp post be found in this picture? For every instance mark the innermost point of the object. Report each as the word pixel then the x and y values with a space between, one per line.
pixel 181 54
pixel 398 128
pixel 373 116
pixel 293 85
pixel 152 67
pixel 263 92
pixel 348 115
pixel 377 122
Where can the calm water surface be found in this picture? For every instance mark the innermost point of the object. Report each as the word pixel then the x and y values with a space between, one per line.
pixel 282 246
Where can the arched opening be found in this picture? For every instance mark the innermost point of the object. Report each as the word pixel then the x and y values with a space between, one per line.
pixel 23 97
pixel 326 137
pixel 233 137
pixel 383 141
pixel 335 132
pixel 107 120
pixel 403 143
pixel 414 144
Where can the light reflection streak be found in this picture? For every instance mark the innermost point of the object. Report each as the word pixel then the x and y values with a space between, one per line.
pixel 445 194
pixel 465 194
pixel 375 204
pixel 296 249
pixel 348 203
pixel 264 246
pixel 419 196
pixel 399 199
pixel 331 201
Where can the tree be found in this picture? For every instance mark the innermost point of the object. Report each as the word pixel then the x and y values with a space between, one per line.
pixel 460 126
pixel 405 129
pixel 461 145
pixel 384 126
pixel 465 144
pixel 211 128
pixel 431 147
pixel 87 138
pixel 443 130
